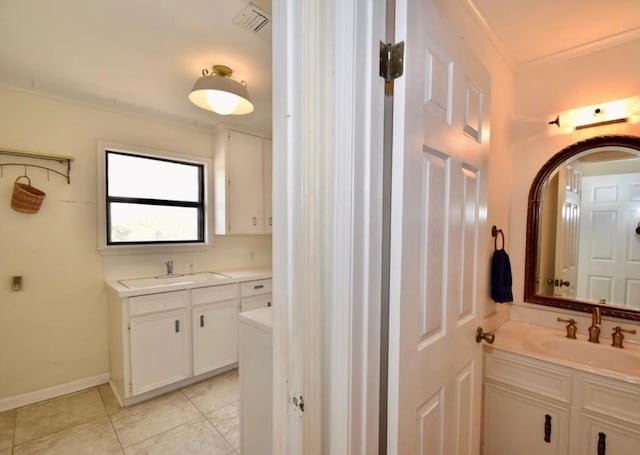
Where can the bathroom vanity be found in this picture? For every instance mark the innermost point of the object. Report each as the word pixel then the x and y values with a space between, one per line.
pixel 547 394
pixel 167 333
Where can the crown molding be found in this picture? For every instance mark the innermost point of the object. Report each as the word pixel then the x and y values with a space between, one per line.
pixel 583 49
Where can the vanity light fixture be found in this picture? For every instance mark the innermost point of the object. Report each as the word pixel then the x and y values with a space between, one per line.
pixel 618 111
pixel 216 91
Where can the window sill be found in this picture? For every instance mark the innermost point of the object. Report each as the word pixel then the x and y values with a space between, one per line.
pixel 115 250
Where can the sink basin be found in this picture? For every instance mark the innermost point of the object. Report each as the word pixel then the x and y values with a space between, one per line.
pixel 596 355
pixel 141 283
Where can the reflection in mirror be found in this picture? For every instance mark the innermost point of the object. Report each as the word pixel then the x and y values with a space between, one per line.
pixel 583 230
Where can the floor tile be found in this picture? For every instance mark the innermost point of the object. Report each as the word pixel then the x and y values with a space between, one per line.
pixel 141 421
pixel 214 393
pixel 51 416
pixel 109 399
pixel 193 438
pixel 7 425
pixel 95 438
pixel 227 421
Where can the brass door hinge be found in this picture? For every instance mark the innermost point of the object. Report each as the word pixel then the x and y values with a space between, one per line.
pixel 391 63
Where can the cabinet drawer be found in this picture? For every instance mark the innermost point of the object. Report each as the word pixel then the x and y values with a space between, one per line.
pixel 256 287
pixel 611 398
pixel 158 302
pixel 253 303
pixel 525 373
pixel 215 293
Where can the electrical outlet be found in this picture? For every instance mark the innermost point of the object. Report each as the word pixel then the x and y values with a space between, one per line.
pixel 16 283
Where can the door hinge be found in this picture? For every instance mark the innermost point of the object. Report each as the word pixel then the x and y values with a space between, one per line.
pixel 297 402
pixel 130 388
pixel 129 327
pixel 391 63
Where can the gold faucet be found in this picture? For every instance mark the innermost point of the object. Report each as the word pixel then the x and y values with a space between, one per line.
pixel 617 336
pixel 594 330
pixel 572 328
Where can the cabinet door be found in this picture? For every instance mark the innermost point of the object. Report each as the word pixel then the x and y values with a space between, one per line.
pixel 215 336
pixel 601 437
pixel 268 187
pixel 253 303
pixel 245 180
pixel 159 347
pixel 514 423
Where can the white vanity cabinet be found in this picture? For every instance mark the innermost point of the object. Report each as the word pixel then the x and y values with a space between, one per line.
pixel 255 294
pixel 214 327
pixel 242 180
pixel 537 407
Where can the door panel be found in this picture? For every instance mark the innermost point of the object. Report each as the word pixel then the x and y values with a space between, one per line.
pixel 440 151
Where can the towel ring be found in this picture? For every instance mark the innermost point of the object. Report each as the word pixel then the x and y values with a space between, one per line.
pixel 494 233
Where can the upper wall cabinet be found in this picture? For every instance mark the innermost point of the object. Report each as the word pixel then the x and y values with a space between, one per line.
pixel 242 182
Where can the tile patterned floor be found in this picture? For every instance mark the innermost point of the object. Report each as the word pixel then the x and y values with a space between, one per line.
pixel 199 419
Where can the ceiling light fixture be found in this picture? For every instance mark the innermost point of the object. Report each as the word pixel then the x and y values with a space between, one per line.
pixel 216 91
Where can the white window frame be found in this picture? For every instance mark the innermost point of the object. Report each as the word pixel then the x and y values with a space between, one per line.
pixel 103 247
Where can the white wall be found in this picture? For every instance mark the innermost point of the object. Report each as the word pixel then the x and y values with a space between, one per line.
pixel 55 331
pixel 540 95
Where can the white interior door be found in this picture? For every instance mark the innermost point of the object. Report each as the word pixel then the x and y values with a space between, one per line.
pixel 440 151
pixel 567 234
pixel 609 246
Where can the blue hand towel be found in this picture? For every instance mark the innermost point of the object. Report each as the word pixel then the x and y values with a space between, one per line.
pixel 501 277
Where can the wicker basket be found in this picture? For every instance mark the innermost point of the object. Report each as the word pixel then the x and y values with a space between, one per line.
pixel 25 198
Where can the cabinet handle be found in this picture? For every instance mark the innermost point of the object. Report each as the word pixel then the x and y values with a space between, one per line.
pixel 202 320
pixel 602 443
pixel 547 428
pixel 268 303
pixel 258 286
pixel 255 220
pixel 177 326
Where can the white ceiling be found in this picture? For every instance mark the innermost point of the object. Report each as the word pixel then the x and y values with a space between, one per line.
pixel 145 55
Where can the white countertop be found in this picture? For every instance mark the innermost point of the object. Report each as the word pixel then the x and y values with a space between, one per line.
pixel 528 340
pixel 261 319
pixel 235 276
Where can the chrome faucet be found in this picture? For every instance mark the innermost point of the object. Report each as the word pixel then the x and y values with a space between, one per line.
pixel 594 329
pixel 169 265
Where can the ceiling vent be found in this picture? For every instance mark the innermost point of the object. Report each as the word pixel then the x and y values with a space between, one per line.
pixel 255 20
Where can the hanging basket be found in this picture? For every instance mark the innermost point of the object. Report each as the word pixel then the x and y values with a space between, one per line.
pixel 25 198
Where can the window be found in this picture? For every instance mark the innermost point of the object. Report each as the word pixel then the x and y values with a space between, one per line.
pixel 153 200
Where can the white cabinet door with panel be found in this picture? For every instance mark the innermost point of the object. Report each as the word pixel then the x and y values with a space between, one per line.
pixel 239 180
pixel 159 349
pixel 519 423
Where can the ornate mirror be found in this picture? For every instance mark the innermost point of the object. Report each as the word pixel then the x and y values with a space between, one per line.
pixel 583 228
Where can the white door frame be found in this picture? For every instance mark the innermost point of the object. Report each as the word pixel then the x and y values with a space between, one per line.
pixel 327 230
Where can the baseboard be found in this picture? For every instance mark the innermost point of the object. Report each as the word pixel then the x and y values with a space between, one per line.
pixel 52 392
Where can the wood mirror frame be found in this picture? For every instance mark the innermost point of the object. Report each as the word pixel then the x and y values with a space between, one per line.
pixel 533 220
